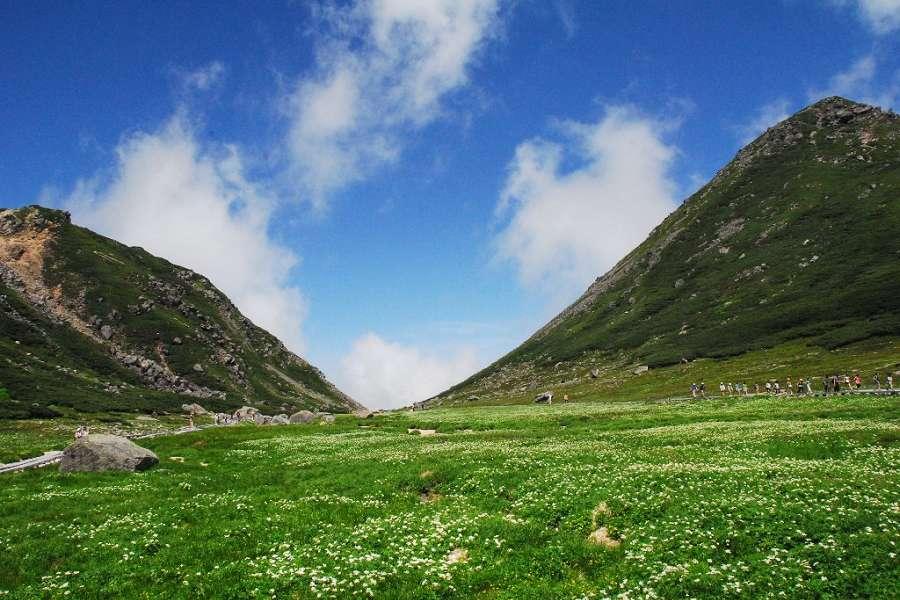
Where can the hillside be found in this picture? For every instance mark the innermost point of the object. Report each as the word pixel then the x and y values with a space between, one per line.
pixel 792 249
pixel 89 324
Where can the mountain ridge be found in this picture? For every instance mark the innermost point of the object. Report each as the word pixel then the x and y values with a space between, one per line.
pixel 112 322
pixel 809 161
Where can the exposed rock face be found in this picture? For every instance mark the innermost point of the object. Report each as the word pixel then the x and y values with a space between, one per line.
pixel 100 452
pixel 303 416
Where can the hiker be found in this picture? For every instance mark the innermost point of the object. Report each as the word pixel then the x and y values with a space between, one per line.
pixel 825 384
pixel 79 432
pixel 876 379
pixel 768 387
pixel 800 387
pixel 789 387
pixel 847 385
pixel 694 390
pixel 835 384
pixel 858 381
pixel 722 388
pixel 890 382
pixel 702 390
pixel 809 391
pixel 777 388
pixel 731 389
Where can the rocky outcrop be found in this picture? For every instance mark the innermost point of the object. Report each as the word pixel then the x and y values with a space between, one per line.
pixel 101 452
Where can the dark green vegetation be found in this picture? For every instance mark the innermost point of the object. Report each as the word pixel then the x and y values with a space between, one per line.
pixel 89 324
pixel 752 498
pixel 796 241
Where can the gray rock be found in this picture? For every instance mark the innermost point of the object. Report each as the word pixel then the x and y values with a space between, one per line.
pixel 106 331
pixel 100 452
pixel 198 367
pixel 194 409
pixel 326 417
pixel 545 398
pixel 303 416
pixel 280 420
pixel 245 413
pixel 641 369
pixel 177 341
pixel 261 419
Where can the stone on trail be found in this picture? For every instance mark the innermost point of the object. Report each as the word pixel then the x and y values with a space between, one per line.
pixel 302 416
pixel 101 452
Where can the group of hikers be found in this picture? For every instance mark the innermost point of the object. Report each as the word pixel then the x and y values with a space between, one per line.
pixel 82 431
pixel 831 384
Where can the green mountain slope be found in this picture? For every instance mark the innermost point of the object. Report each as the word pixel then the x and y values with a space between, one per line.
pixel 89 324
pixel 796 240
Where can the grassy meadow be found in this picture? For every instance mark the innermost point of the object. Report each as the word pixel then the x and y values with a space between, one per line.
pixel 721 498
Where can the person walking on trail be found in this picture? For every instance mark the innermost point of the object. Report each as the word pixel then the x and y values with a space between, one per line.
pixel 809 386
pixel 694 390
pixel 768 387
pixel 702 389
pixel 722 388
pixel 858 381
pixel 825 384
pixel 890 382
pixel 876 379
pixel 789 387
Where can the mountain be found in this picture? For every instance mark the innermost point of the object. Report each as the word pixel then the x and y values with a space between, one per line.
pixel 792 249
pixel 89 324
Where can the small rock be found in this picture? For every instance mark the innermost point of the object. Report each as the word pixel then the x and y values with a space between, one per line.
pixel 601 537
pixel 177 341
pixel 106 332
pixel 280 420
pixel 198 367
pixel 457 555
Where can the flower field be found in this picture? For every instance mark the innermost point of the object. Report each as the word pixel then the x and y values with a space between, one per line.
pixel 749 498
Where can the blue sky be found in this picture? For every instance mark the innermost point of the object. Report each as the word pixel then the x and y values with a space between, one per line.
pixel 404 190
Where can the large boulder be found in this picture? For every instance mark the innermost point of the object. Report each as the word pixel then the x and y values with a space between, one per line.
pixel 280 420
pixel 101 452
pixel 303 416
pixel 245 413
pixel 194 409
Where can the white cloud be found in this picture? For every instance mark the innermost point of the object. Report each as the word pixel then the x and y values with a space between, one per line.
pixel 568 227
pixel 204 78
pixel 863 82
pixel 382 72
pixel 768 115
pixel 383 374
pixel 197 209
pixel 881 16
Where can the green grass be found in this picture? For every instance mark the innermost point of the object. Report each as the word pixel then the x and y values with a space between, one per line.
pixel 724 498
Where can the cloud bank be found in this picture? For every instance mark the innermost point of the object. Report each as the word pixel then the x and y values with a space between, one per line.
pixel 383 374
pixel 568 226
pixel 199 210
pixel 383 70
pixel 880 16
